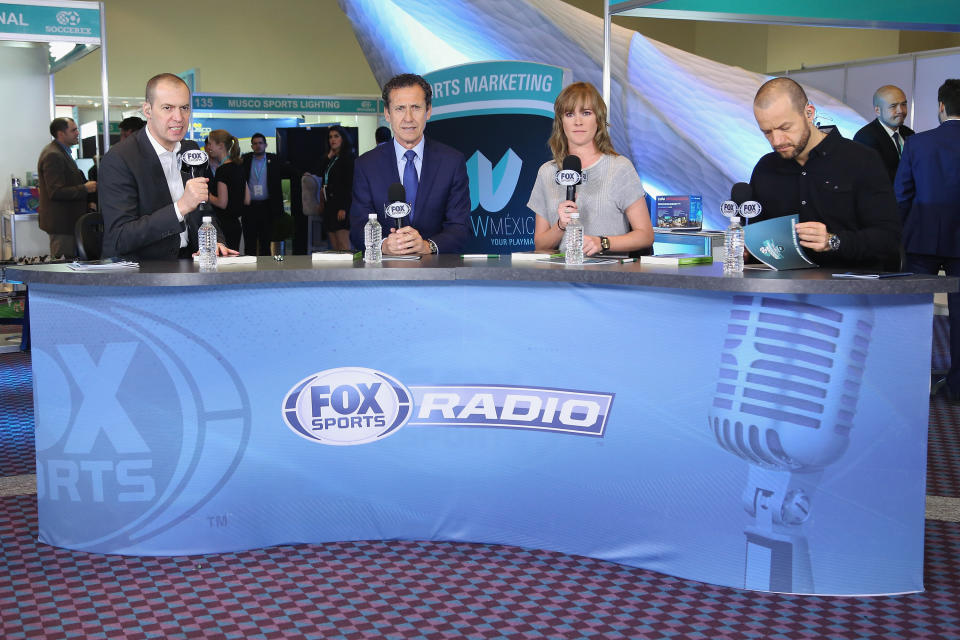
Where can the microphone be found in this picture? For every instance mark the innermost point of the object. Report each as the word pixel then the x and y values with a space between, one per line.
pixel 741 192
pixel 397 207
pixel 570 176
pixel 197 161
pixel 741 203
pixel 785 401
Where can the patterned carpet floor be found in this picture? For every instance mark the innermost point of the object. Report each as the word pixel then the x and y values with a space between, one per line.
pixel 428 590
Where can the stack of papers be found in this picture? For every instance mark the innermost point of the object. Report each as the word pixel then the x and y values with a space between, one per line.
pixel 103 265
pixel 225 261
pixel 677 259
pixel 337 256
pixel 528 256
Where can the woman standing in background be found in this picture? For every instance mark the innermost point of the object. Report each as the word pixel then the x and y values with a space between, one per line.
pixel 337 174
pixel 228 191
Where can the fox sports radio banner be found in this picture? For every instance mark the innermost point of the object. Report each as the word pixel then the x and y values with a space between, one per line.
pixel 499 115
pixel 750 440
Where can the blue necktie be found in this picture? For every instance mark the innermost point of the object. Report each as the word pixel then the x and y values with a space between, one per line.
pixel 410 180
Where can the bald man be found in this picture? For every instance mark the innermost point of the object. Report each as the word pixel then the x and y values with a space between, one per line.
pixel 848 213
pixel 887 133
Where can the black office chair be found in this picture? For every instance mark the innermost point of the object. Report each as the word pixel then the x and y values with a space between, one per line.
pixel 89 234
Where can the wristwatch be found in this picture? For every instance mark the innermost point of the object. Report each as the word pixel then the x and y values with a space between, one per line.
pixel 834 241
pixel 604 243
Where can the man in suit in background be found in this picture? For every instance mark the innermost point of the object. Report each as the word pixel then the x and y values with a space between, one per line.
pixel 886 134
pixel 928 195
pixel 262 172
pixel 433 175
pixel 63 191
pixel 149 205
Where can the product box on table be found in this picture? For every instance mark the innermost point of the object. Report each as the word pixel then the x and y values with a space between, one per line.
pixel 25 199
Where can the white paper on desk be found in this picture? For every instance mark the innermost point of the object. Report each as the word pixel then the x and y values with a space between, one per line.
pixel 228 260
pixel 103 265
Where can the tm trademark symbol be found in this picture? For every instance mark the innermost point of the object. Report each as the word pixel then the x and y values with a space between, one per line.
pixel 217 522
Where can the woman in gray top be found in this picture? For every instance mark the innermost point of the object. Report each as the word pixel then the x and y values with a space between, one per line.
pixel 610 199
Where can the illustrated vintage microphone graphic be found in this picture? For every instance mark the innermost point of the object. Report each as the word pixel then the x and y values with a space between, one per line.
pixel 785 402
pixel 397 206
pixel 196 162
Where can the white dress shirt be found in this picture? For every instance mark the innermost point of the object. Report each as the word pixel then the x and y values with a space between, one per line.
pixel 890 133
pixel 169 160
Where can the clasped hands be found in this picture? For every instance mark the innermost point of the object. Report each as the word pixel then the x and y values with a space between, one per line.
pixel 404 241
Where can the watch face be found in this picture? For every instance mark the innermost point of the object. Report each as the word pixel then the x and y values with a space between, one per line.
pixel 605 243
pixel 834 242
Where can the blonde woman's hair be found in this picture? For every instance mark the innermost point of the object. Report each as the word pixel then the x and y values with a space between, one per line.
pixel 229 142
pixel 579 95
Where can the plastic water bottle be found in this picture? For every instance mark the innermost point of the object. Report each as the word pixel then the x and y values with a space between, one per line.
pixel 372 237
pixel 208 245
pixel 733 247
pixel 574 235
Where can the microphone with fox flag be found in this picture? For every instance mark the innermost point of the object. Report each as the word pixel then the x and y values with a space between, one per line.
pixel 397 206
pixel 196 162
pixel 570 176
pixel 785 402
pixel 742 196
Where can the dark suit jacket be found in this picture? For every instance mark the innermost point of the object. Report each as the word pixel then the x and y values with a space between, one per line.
pixel 276 171
pixel 928 191
pixel 876 137
pixel 442 210
pixel 63 198
pixel 139 220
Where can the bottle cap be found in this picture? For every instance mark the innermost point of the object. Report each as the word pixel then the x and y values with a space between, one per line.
pixel 371 216
pixel 207 219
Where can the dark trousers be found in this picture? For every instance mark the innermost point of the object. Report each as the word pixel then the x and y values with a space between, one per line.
pixel 917 263
pixel 257 228
pixel 231 228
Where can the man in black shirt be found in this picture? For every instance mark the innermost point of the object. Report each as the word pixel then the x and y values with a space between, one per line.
pixel 839 189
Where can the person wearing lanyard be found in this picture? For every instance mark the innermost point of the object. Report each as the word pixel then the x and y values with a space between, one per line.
pixel 337 174
pixel 266 203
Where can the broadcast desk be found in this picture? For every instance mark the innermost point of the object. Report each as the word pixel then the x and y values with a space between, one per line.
pixel 765 431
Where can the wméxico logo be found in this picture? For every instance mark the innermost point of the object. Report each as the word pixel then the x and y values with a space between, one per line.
pixel 348 405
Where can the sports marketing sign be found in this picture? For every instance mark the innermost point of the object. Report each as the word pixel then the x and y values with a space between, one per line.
pixel 499 115
pixel 50 21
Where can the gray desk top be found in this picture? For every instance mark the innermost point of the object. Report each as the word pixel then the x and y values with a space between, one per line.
pixel 184 273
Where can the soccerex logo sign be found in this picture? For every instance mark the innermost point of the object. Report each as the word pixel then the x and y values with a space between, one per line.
pixel 355 405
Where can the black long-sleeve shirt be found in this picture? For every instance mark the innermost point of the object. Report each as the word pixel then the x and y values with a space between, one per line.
pixel 843 185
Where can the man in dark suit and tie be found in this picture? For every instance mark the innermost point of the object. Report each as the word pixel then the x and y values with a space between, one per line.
pixel 63 191
pixel 928 195
pixel 433 175
pixel 886 134
pixel 149 205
